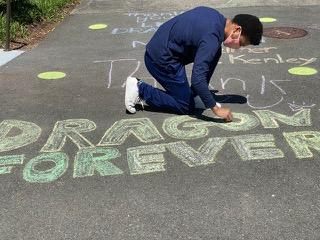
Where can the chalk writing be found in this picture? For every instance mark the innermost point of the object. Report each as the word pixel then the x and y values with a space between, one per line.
pixel 262 107
pixel 28 133
pixel 225 50
pixel 153 16
pixel 232 56
pixel 301 142
pixel 277 59
pixel 255 50
pixel 256 146
pixel 137 29
pixel 31 174
pixel 268 118
pixel 298 107
pixel 89 160
pixel 71 128
pixel 141 128
pixel 102 159
pixel 111 62
pixel 180 126
pixel 9 160
pixel 206 154
pixel 224 82
pixel 135 43
pixel 171 128
pixel 267 87
pixel 264 82
pixel 146 159
pixel 145 22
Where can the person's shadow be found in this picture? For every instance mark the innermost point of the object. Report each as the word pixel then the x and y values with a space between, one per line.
pixel 227 98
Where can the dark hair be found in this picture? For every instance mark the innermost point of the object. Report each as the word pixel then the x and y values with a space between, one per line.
pixel 251 27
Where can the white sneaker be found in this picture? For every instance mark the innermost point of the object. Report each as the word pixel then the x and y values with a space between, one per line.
pixel 132 94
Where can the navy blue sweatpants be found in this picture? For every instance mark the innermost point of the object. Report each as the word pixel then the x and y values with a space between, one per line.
pixel 178 95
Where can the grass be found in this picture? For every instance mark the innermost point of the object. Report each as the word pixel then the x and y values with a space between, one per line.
pixel 26 12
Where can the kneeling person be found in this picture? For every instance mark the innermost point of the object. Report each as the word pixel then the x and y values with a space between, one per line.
pixel 191 37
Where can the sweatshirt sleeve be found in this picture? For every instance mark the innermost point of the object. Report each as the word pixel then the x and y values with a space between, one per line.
pixel 201 73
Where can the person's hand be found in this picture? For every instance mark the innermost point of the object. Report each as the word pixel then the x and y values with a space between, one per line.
pixel 222 112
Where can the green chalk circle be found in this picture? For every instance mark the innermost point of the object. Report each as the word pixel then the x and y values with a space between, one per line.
pixel 98 26
pixel 51 75
pixel 267 20
pixel 303 71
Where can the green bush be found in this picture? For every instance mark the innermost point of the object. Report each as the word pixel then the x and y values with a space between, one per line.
pixel 49 8
pixel 16 29
pixel 24 12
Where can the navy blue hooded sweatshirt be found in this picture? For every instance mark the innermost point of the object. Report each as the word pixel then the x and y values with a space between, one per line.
pixel 194 36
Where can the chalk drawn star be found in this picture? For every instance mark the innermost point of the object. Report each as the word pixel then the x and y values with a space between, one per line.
pixel 296 107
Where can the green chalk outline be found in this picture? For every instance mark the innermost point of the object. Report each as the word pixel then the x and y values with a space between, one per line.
pixel 86 164
pixel 303 71
pixel 30 133
pixel 32 175
pixel 10 160
pixel 98 26
pixel 267 20
pixel 53 75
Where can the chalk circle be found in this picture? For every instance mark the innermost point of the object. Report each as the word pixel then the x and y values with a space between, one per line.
pixel 98 26
pixel 267 20
pixel 302 71
pixel 51 75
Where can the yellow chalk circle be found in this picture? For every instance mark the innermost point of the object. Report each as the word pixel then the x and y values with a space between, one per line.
pixel 303 71
pixel 98 26
pixel 51 75
pixel 267 20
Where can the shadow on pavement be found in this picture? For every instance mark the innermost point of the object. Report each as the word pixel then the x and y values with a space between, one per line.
pixel 227 98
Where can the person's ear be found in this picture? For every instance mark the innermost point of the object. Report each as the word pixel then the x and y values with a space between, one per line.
pixel 238 29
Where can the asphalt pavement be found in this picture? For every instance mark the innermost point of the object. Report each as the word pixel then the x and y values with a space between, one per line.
pixel 75 165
